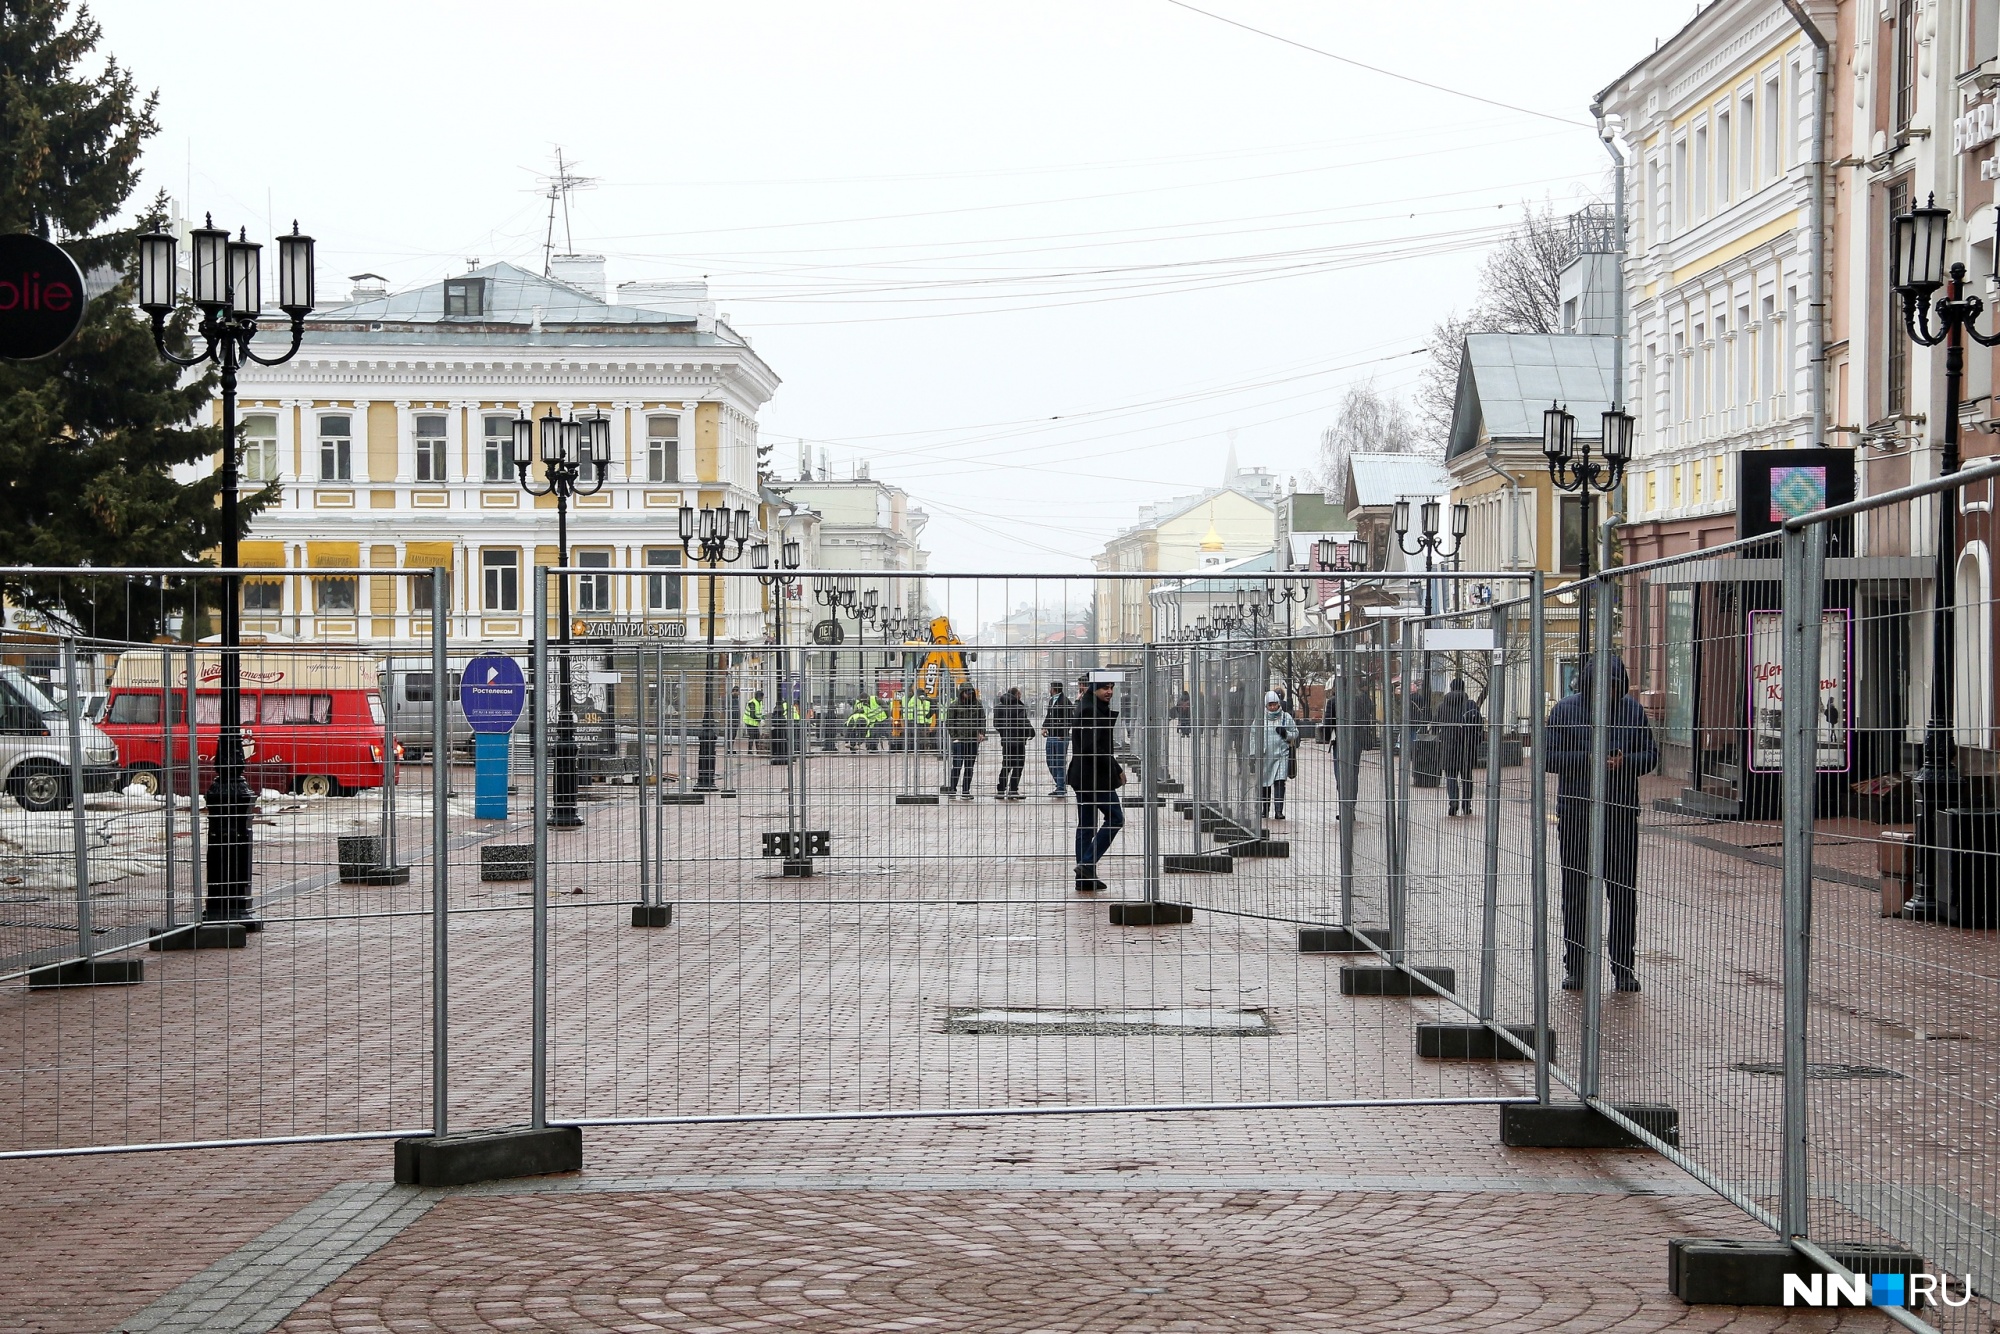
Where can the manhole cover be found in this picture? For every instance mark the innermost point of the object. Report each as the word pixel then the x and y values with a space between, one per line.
pixel 1215 1023
pixel 1819 1070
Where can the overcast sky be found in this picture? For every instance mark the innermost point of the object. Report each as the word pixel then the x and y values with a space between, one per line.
pixel 1034 261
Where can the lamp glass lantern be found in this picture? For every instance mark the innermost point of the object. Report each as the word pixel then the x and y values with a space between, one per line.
pixel 524 441
pixel 295 272
pixel 1402 521
pixel 158 258
pixel 1357 553
pixel 1617 436
pixel 760 555
pixel 600 441
pixel 1916 266
pixel 246 275
pixel 1430 513
pixel 742 531
pixel 1558 433
pixel 208 249
pixel 552 445
pixel 708 522
pixel 1461 519
pixel 687 523
pixel 792 553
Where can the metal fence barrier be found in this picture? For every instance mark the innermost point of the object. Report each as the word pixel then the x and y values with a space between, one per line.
pixel 828 875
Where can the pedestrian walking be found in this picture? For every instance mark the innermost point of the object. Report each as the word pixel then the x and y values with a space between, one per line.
pixel 1629 753
pixel 1329 718
pixel 1458 723
pixel 1096 776
pixel 965 725
pixel 1055 737
pixel 1281 738
pixel 1015 730
pixel 1183 712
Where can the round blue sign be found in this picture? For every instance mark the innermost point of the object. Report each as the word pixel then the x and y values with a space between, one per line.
pixel 492 693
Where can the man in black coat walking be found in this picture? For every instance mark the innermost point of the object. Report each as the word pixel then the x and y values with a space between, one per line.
pixel 1629 753
pixel 1457 724
pixel 1096 776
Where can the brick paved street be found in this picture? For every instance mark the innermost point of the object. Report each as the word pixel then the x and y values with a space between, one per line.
pixel 829 995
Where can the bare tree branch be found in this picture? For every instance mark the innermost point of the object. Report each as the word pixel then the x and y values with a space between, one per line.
pixel 1370 422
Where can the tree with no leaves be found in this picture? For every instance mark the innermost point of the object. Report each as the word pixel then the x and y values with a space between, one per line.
pixel 1370 422
pixel 1519 292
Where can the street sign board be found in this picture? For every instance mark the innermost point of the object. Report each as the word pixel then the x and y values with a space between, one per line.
pixel 41 297
pixel 492 693
pixel 828 633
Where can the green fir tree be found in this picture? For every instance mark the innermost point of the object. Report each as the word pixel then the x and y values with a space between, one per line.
pixel 90 437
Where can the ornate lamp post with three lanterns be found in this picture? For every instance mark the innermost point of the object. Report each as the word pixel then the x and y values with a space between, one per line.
pixel 707 536
pixel 1573 469
pixel 568 446
pixel 227 285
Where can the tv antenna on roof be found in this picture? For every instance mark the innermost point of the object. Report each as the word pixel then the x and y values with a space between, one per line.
pixel 559 187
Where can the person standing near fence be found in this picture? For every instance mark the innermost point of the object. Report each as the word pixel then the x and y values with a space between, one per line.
pixel 1015 730
pixel 1281 736
pixel 1458 723
pixel 1055 737
pixel 753 721
pixel 1096 775
pixel 965 726
pixel 1629 753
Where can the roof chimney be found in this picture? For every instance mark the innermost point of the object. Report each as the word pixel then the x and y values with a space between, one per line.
pixel 368 287
pixel 583 272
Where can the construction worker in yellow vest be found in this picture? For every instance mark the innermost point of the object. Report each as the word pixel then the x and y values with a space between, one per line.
pixel 922 719
pixel 753 720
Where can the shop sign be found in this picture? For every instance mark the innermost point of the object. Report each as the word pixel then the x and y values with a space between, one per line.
pixel 626 629
pixel 1767 691
pixel 1979 125
pixel 41 297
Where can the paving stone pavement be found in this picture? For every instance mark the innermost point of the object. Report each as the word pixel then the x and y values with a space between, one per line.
pixel 1353 1220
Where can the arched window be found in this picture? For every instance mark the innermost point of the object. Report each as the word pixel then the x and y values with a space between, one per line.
pixel 1973 618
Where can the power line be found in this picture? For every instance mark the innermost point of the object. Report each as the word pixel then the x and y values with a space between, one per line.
pixel 1377 69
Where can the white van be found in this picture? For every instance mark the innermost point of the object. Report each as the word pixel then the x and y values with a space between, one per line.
pixel 34 747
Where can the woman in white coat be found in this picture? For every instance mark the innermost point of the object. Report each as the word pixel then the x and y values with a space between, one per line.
pixel 1281 733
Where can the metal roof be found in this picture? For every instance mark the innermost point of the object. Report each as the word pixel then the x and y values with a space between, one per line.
pixel 1506 382
pixel 1380 480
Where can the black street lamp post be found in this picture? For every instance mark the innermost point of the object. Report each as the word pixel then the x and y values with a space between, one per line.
pixel 227 284
pixel 781 581
pixel 1431 543
pixel 567 446
pixel 1572 469
pixel 1916 271
pixel 708 540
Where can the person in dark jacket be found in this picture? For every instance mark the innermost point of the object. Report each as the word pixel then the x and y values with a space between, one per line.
pixel 1629 753
pixel 1457 724
pixel 965 725
pixel 1329 717
pixel 1014 728
pixel 1055 737
pixel 1096 775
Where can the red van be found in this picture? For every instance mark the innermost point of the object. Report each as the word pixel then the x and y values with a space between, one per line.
pixel 312 723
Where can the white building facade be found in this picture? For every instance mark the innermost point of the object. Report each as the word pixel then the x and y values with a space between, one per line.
pixel 390 433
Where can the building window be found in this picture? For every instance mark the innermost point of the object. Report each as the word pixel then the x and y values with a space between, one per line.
pixel 1774 159
pixel 1896 385
pixel 1906 65
pixel 498 449
pixel 1983 36
pixel 593 591
pixel 1746 126
pixel 464 298
pixel 334 596
pixel 260 449
pixel 430 449
pixel 663 591
pixel 1725 161
pixel 663 449
pixel 502 570
pixel 1701 172
pixel 1571 516
pixel 263 597
pixel 1683 193
pixel 336 449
